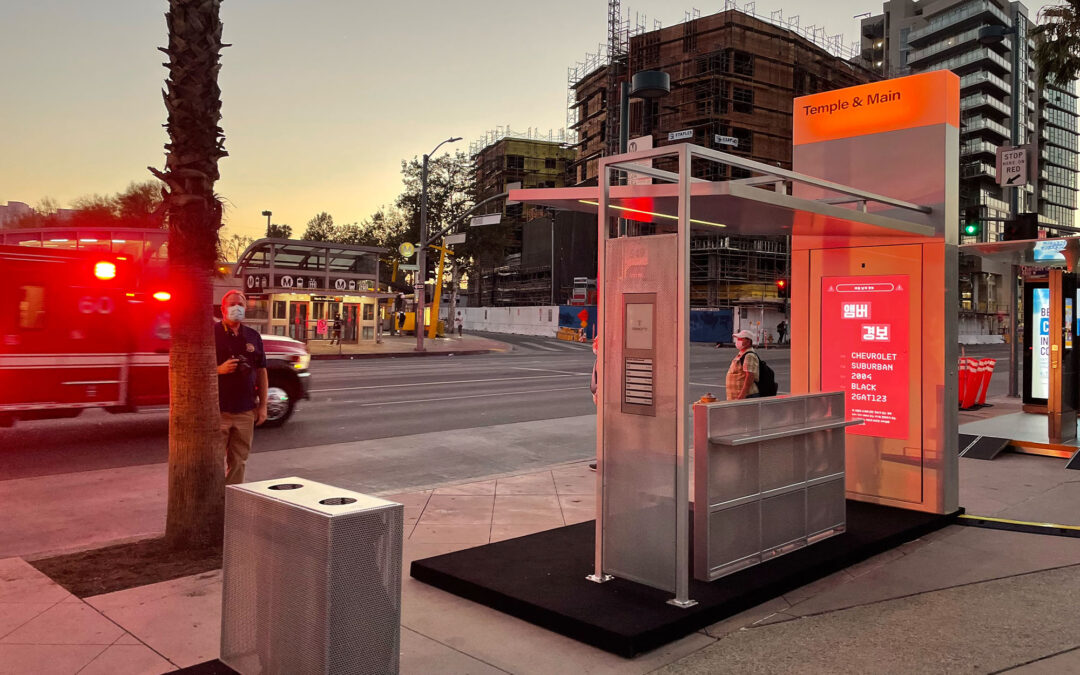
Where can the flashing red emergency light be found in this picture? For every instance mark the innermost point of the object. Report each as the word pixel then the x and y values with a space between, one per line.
pixel 105 270
pixel 162 296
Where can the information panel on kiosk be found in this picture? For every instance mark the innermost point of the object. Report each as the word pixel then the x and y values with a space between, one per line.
pixel 864 321
pixel 1037 343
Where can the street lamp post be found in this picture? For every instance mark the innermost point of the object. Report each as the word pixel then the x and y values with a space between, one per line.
pixel 421 258
pixel 267 214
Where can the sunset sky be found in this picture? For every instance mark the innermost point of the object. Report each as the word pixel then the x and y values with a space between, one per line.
pixel 322 99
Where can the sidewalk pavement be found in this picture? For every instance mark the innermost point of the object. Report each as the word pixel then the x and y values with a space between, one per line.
pixel 962 599
pixel 405 345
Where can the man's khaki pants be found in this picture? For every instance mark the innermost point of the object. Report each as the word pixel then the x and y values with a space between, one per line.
pixel 236 432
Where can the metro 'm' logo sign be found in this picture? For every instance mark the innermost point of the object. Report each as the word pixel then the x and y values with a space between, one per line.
pixel 891 105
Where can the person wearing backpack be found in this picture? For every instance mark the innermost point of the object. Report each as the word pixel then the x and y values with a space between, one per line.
pixel 742 375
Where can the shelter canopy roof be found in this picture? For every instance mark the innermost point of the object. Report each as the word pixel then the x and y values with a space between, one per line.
pixel 1057 252
pixel 735 207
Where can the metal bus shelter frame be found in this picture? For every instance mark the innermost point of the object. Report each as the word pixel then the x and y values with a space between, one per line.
pixel 634 547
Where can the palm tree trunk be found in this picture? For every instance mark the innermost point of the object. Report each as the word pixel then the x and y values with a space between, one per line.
pixel 196 511
pixel 193 214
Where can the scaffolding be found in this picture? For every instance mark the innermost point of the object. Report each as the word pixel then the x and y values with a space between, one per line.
pixel 620 34
pixel 725 269
pixel 512 286
pixel 497 134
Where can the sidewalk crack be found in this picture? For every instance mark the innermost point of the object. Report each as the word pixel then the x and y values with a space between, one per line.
pixel 1041 658
pixel 928 591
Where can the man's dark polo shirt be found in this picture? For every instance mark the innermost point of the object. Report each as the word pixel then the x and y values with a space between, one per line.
pixel 236 390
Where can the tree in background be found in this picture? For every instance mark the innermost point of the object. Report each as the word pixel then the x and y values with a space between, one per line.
pixel 231 246
pixel 279 232
pixel 450 193
pixel 196 503
pixel 138 206
pixel 1057 44
pixel 320 228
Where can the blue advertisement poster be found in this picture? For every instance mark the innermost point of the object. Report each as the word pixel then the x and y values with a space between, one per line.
pixel 1040 352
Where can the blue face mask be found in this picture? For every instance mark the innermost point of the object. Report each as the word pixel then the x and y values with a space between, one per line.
pixel 235 313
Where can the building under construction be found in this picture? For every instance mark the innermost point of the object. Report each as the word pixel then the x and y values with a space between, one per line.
pixel 734 77
pixel 518 266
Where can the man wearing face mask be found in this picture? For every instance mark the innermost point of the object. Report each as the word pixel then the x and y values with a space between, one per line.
pixel 242 383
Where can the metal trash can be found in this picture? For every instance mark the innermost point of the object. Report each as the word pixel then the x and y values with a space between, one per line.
pixel 311 580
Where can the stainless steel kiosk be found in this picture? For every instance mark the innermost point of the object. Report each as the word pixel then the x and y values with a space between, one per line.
pixel 872 212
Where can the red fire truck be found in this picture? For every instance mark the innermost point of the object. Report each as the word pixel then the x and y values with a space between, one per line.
pixel 85 330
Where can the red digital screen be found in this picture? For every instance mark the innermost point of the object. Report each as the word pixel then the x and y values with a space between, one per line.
pixel 864 350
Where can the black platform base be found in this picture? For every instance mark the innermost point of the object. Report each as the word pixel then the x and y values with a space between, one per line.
pixel 541 579
pixel 214 667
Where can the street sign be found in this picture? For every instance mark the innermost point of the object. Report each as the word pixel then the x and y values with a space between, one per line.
pixel 409 268
pixel 406 249
pixel 452 239
pixel 679 135
pixel 1012 166
pixel 516 185
pixel 726 140
pixel 489 219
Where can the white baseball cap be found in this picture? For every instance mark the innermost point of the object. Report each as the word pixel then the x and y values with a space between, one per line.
pixel 744 334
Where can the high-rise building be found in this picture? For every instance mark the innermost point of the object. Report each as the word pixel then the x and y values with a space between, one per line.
pixel 734 78
pixel 989 45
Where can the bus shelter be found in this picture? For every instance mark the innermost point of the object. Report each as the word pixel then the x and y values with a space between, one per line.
pixel 1045 351
pixel 871 209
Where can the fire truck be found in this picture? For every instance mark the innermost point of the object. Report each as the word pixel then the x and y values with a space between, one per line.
pixel 85 330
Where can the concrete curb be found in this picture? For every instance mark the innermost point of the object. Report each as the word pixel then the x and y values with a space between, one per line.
pixel 394 355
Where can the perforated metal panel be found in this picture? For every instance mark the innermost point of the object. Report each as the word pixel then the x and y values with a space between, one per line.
pixel 768 479
pixel 312 580
pixel 640 450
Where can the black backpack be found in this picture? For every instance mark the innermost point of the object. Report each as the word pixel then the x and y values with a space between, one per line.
pixel 766 382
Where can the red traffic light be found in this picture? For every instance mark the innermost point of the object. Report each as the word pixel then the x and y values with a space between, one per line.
pixel 781 288
pixel 781 283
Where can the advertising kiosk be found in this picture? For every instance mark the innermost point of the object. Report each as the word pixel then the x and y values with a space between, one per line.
pixel 871 208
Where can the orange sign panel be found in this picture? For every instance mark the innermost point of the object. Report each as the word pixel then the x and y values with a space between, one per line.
pixel 901 103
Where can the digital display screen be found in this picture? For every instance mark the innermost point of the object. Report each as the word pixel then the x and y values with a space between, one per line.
pixel 639 325
pixel 1049 250
pixel 1040 338
pixel 864 333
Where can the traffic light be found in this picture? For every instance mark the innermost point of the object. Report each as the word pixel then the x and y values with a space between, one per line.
pixel 972 222
pixel 1023 226
pixel 781 288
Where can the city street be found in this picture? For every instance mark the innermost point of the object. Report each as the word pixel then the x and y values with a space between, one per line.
pixel 540 379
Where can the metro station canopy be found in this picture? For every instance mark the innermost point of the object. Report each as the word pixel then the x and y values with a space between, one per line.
pixel 289 264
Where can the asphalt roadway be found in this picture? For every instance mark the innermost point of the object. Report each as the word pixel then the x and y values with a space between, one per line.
pixel 540 379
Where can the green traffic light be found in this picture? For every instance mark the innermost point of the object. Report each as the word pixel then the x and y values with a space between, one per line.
pixel 971 229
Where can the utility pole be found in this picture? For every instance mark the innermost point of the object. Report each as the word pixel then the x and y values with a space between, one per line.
pixel 267 214
pixel 421 258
